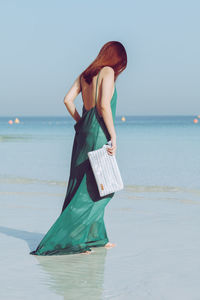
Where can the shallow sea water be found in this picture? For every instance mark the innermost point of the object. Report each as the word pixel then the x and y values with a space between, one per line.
pixel 154 221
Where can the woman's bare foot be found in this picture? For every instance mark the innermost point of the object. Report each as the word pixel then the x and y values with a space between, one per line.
pixel 109 245
pixel 86 252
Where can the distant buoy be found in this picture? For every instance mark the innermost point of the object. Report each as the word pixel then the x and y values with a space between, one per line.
pixel 123 119
pixel 195 121
pixel 10 121
pixel 17 120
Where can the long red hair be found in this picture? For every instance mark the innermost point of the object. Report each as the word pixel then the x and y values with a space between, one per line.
pixel 112 54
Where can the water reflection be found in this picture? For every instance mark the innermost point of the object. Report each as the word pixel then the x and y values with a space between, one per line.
pixel 71 276
pixel 76 276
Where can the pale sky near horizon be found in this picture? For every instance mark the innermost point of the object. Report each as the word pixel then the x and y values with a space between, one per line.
pixel 45 45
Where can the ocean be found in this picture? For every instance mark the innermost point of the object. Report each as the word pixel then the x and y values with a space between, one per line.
pixel 154 221
pixel 159 151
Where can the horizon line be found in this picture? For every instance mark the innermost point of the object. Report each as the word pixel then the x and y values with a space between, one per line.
pixel 122 115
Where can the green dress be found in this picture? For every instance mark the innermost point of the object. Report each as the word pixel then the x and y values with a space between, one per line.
pixel 81 222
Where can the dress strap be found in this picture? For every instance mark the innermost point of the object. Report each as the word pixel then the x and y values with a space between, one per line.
pixel 96 88
pixel 80 82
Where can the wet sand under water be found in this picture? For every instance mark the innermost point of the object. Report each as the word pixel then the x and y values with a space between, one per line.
pixel 155 228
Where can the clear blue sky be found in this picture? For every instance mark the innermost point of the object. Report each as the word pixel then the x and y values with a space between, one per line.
pixel 45 45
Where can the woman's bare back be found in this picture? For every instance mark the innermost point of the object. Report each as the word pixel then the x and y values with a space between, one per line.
pixel 88 92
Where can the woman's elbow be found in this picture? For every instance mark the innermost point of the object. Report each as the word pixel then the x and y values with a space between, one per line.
pixel 65 101
pixel 104 108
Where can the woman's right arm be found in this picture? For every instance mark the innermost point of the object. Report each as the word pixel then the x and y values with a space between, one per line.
pixel 107 92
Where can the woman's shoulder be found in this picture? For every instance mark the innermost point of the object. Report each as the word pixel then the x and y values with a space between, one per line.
pixel 107 74
pixel 107 70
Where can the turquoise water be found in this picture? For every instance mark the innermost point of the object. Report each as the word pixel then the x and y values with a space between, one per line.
pixel 161 151
pixel 154 221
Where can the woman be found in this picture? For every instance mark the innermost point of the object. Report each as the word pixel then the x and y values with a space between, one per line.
pixel 80 225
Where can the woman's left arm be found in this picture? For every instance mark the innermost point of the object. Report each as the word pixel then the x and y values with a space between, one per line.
pixel 70 97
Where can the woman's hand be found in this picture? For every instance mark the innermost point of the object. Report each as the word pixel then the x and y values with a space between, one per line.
pixel 112 150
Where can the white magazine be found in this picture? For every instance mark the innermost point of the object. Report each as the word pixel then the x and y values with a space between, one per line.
pixel 106 171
